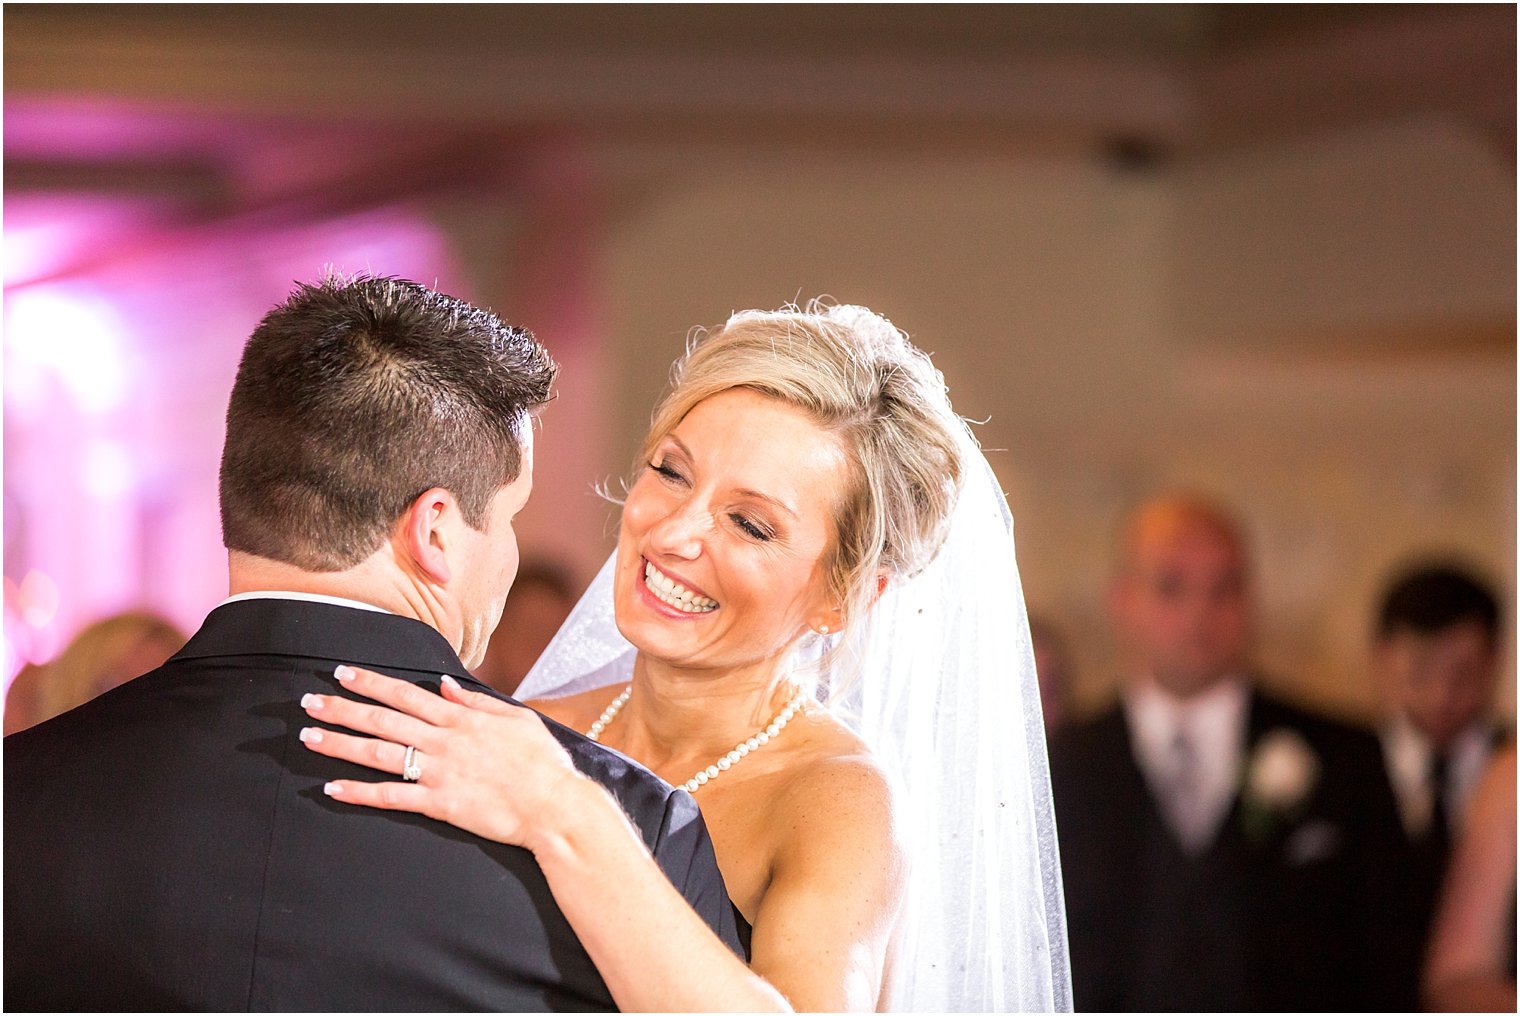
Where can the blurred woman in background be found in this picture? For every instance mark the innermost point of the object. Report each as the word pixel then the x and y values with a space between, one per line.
pixel 104 654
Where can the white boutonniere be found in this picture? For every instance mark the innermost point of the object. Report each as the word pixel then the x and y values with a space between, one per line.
pixel 1279 777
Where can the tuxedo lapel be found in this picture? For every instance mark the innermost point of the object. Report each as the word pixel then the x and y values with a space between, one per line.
pixel 1262 715
pixel 1138 810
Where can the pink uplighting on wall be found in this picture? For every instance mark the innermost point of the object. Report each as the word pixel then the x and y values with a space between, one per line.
pixel 122 333
pixel 31 613
pixel 63 341
pixel 49 233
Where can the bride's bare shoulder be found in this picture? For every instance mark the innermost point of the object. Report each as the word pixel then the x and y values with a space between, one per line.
pixel 578 712
pixel 840 839
pixel 838 782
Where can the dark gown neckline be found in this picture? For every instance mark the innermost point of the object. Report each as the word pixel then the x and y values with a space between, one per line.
pixel 746 930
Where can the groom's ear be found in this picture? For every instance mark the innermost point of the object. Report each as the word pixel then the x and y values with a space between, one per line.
pixel 426 534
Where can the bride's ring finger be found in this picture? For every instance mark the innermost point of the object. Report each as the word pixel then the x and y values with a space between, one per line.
pixel 367 718
pixel 411 765
pixel 372 752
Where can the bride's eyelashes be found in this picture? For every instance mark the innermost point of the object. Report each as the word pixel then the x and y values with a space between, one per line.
pixel 753 528
pixel 667 471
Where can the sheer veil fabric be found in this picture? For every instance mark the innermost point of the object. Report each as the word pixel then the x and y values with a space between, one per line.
pixel 948 700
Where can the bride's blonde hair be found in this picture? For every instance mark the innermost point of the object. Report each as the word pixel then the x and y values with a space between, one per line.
pixel 857 376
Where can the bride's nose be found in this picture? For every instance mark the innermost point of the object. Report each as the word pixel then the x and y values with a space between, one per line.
pixel 681 532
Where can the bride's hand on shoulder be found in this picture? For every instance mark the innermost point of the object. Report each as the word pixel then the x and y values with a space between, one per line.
pixel 486 766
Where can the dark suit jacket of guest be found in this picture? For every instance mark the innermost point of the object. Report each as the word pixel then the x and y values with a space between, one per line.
pixel 168 846
pixel 1281 912
pixel 1413 898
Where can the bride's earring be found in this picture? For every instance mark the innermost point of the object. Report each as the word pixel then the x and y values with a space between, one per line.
pixel 823 629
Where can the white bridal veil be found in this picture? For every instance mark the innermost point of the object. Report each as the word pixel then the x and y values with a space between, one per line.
pixel 949 703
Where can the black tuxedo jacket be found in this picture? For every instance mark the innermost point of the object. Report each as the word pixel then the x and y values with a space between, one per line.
pixel 1281 912
pixel 168 846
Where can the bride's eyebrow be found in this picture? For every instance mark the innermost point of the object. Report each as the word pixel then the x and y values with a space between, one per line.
pixel 680 445
pixel 758 496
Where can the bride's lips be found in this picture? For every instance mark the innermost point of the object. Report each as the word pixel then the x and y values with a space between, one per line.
pixel 662 607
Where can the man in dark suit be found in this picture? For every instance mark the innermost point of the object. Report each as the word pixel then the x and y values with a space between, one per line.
pixel 169 845
pixel 1435 664
pixel 1220 848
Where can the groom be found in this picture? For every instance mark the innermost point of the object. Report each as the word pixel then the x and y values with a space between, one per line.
pixel 168 845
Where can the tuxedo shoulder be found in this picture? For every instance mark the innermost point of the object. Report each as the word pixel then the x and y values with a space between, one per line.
pixel 1350 756
pixel 140 696
pixel 642 794
pixel 1091 742
pixel 601 763
pixel 1096 728
pixel 1272 711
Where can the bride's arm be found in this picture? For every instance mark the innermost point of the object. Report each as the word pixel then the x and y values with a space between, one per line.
pixel 820 935
pixel 651 948
pixel 823 926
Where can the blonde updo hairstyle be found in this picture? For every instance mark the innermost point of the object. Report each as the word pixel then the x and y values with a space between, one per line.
pixel 858 377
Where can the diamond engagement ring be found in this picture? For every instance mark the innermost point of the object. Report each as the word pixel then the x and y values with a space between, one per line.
pixel 411 770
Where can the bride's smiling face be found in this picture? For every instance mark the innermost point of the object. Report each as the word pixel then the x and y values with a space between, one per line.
pixel 724 535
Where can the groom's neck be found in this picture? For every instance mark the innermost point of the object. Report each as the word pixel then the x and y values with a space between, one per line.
pixel 365 582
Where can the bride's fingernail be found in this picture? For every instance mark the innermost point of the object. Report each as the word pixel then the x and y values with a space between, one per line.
pixel 343 672
pixel 311 703
pixel 331 789
pixel 449 682
pixel 311 735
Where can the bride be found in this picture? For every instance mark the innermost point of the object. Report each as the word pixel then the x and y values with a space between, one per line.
pixel 813 623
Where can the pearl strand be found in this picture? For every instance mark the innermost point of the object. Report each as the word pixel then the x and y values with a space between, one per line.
pixel 616 706
pixel 739 751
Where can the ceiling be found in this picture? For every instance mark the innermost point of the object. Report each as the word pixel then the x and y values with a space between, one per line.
pixel 1181 31
pixel 176 117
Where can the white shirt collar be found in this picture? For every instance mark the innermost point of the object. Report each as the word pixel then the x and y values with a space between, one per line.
pixel 1215 724
pixel 1214 714
pixel 1407 754
pixel 285 594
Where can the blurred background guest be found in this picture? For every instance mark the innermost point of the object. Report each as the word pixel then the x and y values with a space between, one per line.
pixel 23 699
pixel 1435 665
pixel 104 654
pixel 1219 846
pixel 1471 967
pixel 107 653
pixel 538 604
pixel 1053 664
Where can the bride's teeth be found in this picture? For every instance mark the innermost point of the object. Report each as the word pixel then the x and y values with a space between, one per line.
pixel 667 590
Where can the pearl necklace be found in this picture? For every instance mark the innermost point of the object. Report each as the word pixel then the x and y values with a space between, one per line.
pixel 759 739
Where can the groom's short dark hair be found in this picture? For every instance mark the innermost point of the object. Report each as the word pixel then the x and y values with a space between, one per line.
pixel 355 396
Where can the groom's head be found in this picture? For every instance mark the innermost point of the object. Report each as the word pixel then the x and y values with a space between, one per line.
pixel 374 416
